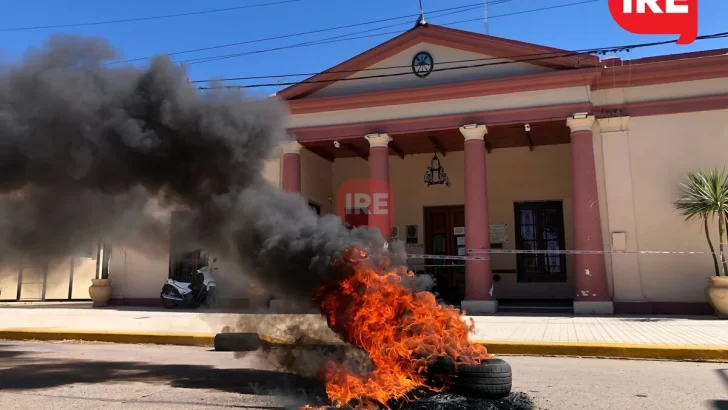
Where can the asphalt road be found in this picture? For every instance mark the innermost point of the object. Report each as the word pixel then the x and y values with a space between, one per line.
pixel 61 376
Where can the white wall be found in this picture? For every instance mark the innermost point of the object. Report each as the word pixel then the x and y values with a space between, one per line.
pixel 658 152
pixel 444 57
pixel 137 275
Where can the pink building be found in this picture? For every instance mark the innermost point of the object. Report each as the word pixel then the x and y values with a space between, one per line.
pixel 543 149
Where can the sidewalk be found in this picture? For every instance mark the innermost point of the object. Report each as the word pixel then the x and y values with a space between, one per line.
pixel 684 338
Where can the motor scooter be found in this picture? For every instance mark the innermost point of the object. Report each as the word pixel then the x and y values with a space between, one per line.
pixel 201 291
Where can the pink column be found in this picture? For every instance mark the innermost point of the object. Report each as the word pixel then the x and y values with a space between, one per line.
pixel 291 167
pixel 592 290
pixel 478 274
pixel 379 182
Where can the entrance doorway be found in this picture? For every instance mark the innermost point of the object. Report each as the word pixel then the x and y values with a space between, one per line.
pixel 540 226
pixel 440 239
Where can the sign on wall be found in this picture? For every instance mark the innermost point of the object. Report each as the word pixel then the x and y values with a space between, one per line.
pixel 395 233
pixel 499 233
pixel 412 234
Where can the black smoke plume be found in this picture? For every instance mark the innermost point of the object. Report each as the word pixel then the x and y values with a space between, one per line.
pixel 91 150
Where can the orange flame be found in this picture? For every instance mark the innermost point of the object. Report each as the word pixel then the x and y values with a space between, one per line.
pixel 401 329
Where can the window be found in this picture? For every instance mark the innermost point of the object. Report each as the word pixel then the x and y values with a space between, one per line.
pixel 539 227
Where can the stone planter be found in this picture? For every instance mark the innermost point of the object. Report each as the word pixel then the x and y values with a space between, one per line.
pixel 100 292
pixel 718 295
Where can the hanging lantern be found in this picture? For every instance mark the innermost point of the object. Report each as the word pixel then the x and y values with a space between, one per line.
pixel 435 174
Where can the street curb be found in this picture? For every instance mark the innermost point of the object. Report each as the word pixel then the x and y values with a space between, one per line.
pixel 609 350
pixel 187 339
pixel 601 350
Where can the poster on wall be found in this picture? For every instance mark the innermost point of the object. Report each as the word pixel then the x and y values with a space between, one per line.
pixel 460 230
pixel 395 233
pixel 461 241
pixel 499 233
pixel 412 235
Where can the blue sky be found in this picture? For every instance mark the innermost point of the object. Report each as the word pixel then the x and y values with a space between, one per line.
pixel 574 27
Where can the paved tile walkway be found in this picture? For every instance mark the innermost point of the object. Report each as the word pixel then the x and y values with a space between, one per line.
pixel 681 331
pixel 664 330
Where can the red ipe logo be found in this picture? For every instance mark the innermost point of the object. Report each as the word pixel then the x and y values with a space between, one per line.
pixel 358 200
pixel 658 17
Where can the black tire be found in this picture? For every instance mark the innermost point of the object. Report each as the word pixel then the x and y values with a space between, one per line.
pixel 169 303
pixel 237 342
pixel 491 379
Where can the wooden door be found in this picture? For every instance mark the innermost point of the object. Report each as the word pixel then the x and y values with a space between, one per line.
pixel 440 239
pixel 540 226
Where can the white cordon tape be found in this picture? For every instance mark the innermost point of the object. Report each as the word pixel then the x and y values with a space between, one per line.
pixel 487 252
pixel 577 252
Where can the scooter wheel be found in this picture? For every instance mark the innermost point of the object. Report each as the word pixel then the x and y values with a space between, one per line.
pixel 170 303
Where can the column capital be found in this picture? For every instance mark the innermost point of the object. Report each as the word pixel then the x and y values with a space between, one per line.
pixel 378 140
pixel 580 124
pixel 292 147
pixel 473 132
pixel 614 125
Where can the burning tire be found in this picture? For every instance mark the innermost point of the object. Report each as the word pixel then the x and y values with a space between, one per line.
pixel 491 379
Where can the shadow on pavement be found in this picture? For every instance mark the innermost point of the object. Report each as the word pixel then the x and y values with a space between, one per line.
pixel 9 354
pixel 18 373
pixel 23 371
pixel 721 404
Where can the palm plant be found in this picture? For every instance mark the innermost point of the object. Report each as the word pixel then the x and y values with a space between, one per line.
pixel 704 196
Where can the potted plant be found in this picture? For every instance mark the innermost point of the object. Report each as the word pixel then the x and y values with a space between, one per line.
pixel 100 289
pixel 705 197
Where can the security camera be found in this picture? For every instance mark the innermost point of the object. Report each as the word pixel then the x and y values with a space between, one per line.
pixel 337 144
pixel 528 127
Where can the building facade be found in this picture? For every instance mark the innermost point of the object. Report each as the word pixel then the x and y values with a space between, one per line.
pixel 542 149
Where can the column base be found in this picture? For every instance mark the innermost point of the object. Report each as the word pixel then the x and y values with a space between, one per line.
pixel 593 308
pixel 479 306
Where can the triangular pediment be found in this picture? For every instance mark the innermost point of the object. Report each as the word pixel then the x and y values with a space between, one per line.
pixel 456 56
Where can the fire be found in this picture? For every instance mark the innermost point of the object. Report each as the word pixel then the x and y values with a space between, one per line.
pixel 401 329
